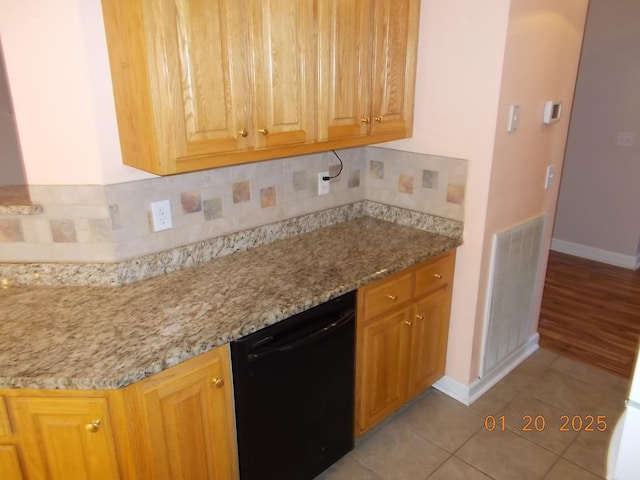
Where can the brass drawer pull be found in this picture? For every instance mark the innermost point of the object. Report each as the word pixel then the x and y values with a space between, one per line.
pixel 264 131
pixel 218 382
pixel 93 427
pixel 392 297
pixel 378 119
pixel 420 316
pixel 438 276
pixel 408 323
pixel 243 132
pixel 366 120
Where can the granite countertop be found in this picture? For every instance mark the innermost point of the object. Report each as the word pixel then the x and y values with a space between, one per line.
pixel 101 337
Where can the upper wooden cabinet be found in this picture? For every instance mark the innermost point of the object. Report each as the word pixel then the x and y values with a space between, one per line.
pixel 205 83
pixel 367 61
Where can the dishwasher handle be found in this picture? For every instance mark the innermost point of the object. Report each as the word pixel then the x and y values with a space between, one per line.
pixel 308 339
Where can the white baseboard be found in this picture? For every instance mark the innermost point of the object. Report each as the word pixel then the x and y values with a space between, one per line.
pixel 597 254
pixel 467 394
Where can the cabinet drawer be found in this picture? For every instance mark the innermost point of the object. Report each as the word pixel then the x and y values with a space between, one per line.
pixel 386 294
pixel 5 426
pixel 435 274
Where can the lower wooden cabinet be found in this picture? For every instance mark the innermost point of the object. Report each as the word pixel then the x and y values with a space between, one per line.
pixel 65 438
pixel 403 325
pixel 184 421
pixel 177 424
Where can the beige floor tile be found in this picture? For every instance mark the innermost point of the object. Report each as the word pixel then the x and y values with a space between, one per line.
pixel 443 420
pixel 456 469
pixel 396 452
pixel 494 400
pixel 589 451
pixel 506 456
pixel 585 373
pixel 538 422
pixel 574 396
pixel 538 361
pixel 564 470
pixel 348 468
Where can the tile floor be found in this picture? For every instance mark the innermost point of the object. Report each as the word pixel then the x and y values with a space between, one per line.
pixel 438 438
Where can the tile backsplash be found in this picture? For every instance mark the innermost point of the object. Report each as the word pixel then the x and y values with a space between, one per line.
pixel 111 223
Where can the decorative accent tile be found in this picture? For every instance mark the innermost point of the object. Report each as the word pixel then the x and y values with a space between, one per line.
pixel 354 179
pixel 241 191
pixel 63 231
pixel 268 197
pixel 299 181
pixel 430 179
pixel 376 169
pixel 114 213
pixel 10 230
pixel 213 209
pixel 405 184
pixel 191 201
pixel 455 193
pixel 100 230
pixel 333 172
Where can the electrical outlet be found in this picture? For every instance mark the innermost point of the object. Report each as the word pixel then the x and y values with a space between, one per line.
pixel 161 215
pixel 323 185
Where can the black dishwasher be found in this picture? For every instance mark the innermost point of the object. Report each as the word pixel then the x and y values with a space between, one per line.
pixel 294 393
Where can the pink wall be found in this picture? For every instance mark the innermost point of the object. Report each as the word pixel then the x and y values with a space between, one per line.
pixel 541 63
pixel 461 50
pixel 476 58
pixel 599 204
pixel 57 64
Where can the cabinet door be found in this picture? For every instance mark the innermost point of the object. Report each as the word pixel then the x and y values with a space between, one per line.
pixel 283 71
pixel 9 463
pixel 180 77
pixel 344 43
pixel 383 366
pixel 395 36
pixel 429 332
pixel 65 438
pixel 197 49
pixel 187 421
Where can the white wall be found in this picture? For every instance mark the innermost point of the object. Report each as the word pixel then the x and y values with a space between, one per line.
pixel 599 205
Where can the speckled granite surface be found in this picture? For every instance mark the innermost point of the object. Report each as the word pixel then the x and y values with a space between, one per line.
pixel 101 337
pixel 123 273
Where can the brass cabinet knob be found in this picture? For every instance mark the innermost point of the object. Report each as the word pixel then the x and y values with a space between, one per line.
pixel 366 120
pixel 408 323
pixel 438 276
pixel 93 427
pixel 264 131
pixel 218 382
pixel 378 119
pixel 243 132
pixel 420 316
pixel 392 297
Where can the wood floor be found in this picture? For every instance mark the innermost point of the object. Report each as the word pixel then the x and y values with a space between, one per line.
pixel 591 313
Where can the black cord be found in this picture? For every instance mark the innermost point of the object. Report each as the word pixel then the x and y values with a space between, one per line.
pixel 325 178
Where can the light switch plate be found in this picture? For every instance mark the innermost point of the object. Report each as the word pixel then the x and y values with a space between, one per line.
pixel 549 178
pixel 514 118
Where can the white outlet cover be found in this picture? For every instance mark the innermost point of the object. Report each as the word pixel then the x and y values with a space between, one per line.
pixel 323 185
pixel 161 215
